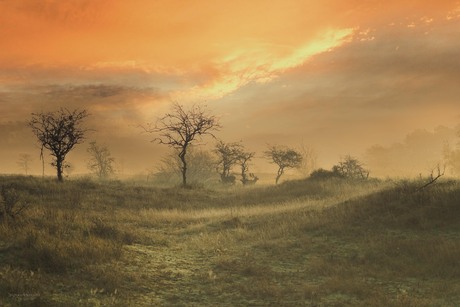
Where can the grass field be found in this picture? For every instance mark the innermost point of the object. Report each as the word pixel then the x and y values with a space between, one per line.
pixel 305 242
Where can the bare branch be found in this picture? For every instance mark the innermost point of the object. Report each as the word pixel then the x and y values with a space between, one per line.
pixel 433 178
pixel 180 128
pixel 59 132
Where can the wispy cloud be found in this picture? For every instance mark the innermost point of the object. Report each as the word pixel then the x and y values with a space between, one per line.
pixel 261 63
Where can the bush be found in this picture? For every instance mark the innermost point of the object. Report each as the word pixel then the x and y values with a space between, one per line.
pixel 322 174
pixel 351 168
pixel 347 168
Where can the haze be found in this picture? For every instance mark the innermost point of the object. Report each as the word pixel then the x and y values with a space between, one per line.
pixel 339 76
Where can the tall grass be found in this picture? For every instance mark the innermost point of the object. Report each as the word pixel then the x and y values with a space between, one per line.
pixel 303 242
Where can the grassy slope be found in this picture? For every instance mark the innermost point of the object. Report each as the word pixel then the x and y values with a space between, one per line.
pixel 300 243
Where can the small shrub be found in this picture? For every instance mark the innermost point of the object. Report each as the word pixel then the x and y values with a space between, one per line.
pixel 351 168
pixel 322 174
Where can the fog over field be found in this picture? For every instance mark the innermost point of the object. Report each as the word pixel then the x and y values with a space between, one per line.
pixel 229 153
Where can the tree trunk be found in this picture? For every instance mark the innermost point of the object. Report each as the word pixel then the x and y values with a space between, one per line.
pixel 59 163
pixel 278 176
pixel 244 178
pixel 184 167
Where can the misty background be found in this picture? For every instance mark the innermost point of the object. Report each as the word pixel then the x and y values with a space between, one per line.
pixel 376 81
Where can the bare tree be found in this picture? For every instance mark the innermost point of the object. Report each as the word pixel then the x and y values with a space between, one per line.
pixel 101 160
pixel 244 159
pixel 284 157
pixel 228 154
pixel 200 167
pixel 59 132
pixel 351 168
pixel 181 128
pixel 24 162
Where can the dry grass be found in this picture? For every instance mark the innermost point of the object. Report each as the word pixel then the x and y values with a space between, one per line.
pixel 313 243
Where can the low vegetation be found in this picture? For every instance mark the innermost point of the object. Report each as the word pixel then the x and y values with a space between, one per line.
pixel 326 241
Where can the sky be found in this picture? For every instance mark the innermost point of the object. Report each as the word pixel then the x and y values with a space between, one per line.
pixel 338 76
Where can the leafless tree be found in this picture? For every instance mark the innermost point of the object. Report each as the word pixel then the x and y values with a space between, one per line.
pixel 283 157
pixel 59 132
pixel 181 128
pixel 101 160
pixel 200 167
pixel 24 162
pixel 228 156
pixel 244 159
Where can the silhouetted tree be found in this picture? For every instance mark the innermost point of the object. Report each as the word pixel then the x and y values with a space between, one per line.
pixel 351 168
pixel 101 161
pixel 200 168
pixel 243 160
pixel 181 128
pixel 284 157
pixel 228 155
pixel 59 132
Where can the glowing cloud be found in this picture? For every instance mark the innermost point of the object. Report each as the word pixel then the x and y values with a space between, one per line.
pixel 260 63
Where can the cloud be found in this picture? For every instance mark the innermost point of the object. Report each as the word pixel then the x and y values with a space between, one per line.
pixel 259 64
pixel 152 36
pixel 110 105
pixel 361 92
pixel 328 71
pixel 214 47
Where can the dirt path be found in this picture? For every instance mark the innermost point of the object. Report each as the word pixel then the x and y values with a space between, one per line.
pixel 215 255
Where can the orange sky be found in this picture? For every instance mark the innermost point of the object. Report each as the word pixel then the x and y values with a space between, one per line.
pixel 340 75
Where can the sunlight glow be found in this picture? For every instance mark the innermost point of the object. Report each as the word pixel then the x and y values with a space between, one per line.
pixel 262 64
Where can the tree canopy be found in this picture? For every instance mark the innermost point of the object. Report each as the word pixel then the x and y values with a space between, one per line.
pixel 283 157
pixel 59 132
pixel 181 127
